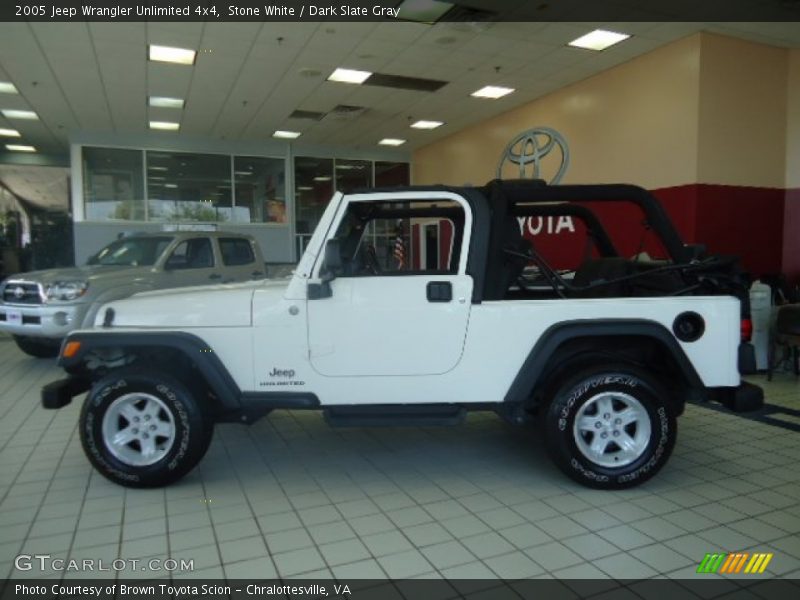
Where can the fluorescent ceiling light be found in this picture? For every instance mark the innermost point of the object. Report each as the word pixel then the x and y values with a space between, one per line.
pixel 322 178
pixel 165 125
pixel 599 39
pixel 423 11
pixel 391 142
pixel 427 124
pixel 20 148
pixel 9 133
pixel 304 188
pixel 181 56
pixel 156 178
pixel 164 102
pixel 286 135
pixel 6 87
pixel 242 172
pixel 349 76
pixel 155 168
pixel 29 115
pixel 492 91
pixel 171 185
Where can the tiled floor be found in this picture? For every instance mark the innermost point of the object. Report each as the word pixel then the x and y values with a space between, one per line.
pixel 290 496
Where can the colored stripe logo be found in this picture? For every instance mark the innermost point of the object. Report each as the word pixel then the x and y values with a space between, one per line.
pixel 735 562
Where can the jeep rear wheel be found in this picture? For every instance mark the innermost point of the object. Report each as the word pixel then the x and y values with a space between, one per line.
pixel 143 428
pixel 610 427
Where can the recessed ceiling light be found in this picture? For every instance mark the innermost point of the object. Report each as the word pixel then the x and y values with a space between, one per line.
pixel 423 11
pixel 286 135
pixel 171 185
pixel 20 148
pixel 322 178
pixel 165 125
pixel 242 172
pixel 391 142
pixel 304 188
pixel 349 76
pixel 6 87
pixel 599 39
pixel 427 124
pixel 9 133
pixel 20 114
pixel 155 168
pixel 492 91
pixel 164 102
pixel 156 178
pixel 181 56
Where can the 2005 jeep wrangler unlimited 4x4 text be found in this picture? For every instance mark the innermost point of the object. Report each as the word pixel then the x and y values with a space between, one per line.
pixel 416 305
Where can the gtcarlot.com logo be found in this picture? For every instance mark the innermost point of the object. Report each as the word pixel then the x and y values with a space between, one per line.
pixel 724 563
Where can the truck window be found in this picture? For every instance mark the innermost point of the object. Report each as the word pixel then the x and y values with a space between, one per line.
pixel 236 251
pixel 401 238
pixel 192 254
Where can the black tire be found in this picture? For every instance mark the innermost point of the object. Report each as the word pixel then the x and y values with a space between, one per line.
pixel 38 348
pixel 623 386
pixel 191 423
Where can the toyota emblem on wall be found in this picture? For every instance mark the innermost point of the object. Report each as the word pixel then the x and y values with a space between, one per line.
pixel 537 150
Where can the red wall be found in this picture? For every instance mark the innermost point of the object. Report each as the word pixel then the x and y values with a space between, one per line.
pixel 791 235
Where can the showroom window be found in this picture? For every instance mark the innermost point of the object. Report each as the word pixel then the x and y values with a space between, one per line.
pixel 260 189
pixel 189 187
pixel 113 184
pixel 316 179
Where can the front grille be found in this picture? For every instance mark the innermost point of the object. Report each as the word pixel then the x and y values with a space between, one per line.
pixel 21 292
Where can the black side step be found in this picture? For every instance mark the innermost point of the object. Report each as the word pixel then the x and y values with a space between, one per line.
pixel 394 415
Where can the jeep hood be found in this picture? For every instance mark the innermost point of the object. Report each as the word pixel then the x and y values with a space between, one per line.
pixel 225 305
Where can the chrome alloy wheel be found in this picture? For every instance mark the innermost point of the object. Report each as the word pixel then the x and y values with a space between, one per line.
pixel 612 429
pixel 138 429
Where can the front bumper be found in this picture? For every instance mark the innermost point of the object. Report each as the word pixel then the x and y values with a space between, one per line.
pixel 47 321
pixel 58 394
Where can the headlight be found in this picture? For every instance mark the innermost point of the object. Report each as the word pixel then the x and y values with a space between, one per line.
pixel 66 290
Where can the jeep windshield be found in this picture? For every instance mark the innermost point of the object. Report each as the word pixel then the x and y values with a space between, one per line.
pixel 131 252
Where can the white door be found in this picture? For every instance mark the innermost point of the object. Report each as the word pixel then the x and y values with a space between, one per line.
pixel 396 316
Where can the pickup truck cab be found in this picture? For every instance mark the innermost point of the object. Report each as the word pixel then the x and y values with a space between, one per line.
pixel 417 305
pixel 41 307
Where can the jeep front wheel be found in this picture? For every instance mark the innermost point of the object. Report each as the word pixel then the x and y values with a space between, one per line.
pixel 611 427
pixel 143 428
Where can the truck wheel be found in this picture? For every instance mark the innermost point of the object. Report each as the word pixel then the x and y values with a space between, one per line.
pixel 610 427
pixel 38 348
pixel 143 428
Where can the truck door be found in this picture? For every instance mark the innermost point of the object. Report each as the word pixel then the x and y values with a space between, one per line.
pixel 391 311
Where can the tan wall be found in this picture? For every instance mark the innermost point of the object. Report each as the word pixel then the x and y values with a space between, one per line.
pixel 742 123
pixel 793 122
pixel 635 123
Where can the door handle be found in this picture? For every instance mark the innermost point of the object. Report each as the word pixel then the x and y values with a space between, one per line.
pixel 215 276
pixel 439 291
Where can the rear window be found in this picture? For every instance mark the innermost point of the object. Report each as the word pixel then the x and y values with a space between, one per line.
pixel 236 251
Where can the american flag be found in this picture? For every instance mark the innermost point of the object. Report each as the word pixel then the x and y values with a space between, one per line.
pixel 399 247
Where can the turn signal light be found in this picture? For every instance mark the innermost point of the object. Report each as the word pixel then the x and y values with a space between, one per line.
pixel 747 330
pixel 71 349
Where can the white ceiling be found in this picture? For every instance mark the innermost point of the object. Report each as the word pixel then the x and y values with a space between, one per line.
pixel 47 187
pixel 248 77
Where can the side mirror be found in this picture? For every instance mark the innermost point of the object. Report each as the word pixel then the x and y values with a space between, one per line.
pixel 332 267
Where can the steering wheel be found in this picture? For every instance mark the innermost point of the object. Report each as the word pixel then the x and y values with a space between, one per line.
pixel 370 260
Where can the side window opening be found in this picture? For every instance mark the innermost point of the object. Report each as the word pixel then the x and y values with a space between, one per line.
pixel 401 238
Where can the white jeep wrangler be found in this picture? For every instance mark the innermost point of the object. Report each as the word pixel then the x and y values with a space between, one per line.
pixel 416 305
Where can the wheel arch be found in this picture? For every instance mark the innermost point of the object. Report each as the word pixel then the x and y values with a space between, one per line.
pixel 190 350
pixel 645 343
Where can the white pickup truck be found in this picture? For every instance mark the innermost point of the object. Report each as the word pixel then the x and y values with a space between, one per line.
pixel 417 305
